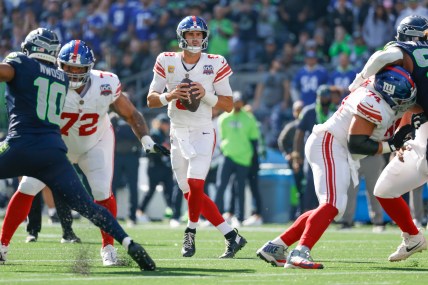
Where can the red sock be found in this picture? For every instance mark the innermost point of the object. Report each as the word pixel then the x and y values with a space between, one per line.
pixel 294 233
pixel 195 198
pixel 17 210
pixel 209 210
pixel 316 224
pixel 111 205
pixel 398 210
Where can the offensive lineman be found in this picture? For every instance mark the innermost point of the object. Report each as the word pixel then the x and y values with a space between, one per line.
pixel 35 98
pixel 87 131
pixel 409 169
pixel 366 118
pixel 192 133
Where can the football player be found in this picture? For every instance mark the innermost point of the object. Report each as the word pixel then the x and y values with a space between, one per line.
pixel 408 170
pixel 192 133
pixel 362 126
pixel 79 105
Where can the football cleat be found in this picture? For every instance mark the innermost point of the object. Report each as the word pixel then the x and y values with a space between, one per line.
pixel 31 238
pixel 3 253
pixel 188 249
pixel 233 245
pixel 410 245
pixel 301 259
pixel 109 255
pixel 141 257
pixel 274 254
pixel 70 237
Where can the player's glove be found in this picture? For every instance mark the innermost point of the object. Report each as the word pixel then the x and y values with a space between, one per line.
pixel 401 136
pixel 151 147
pixel 359 79
pixel 418 119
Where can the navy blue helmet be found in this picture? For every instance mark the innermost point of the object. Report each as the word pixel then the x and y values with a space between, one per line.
pixel 42 44
pixel 397 87
pixel 412 28
pixel 77 53
pixel 192 23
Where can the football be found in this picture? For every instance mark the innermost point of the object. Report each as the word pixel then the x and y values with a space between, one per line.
pixel 192 104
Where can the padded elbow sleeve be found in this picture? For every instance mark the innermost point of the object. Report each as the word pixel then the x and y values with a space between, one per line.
pixel 362 144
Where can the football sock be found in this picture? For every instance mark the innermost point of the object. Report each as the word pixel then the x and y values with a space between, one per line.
pixel 195 198
pixel 224 228
pixel 211 213
pixel 126 242
pixel 111 205
pixel 231 235
pixel 294 233
pixel 279 241
pixel 398 210
pixel 17 210
pixel 317 223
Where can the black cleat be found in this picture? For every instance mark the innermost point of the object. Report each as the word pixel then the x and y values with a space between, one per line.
pixel 233 245
pixel 70 237
pixel 141 257
pixel 188 249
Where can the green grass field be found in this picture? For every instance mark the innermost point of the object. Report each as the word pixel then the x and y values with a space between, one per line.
pixel 355 256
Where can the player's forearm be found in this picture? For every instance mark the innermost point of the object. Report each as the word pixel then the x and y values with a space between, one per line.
pixel 138 124
pixel 158 100
pixel 380 59
pixel 224 103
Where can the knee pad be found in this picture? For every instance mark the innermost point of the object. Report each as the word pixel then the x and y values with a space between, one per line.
pixel 30 186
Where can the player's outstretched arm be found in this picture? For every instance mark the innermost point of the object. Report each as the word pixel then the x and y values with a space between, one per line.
pixel 7 72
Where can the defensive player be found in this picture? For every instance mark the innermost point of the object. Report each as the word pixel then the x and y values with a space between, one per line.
pixel 35 99
pixel 409 169
pixel 192 133
pixel 366 118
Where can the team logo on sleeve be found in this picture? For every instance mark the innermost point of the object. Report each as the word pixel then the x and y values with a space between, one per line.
pixel 106 90
pixel 208 69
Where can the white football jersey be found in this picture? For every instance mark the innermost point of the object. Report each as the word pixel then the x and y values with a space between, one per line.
pixel 209 70
pixel 84 118
pixel 368 104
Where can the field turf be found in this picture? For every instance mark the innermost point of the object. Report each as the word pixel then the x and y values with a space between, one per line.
pixel 355 256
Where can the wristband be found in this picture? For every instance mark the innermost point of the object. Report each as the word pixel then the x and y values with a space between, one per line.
pixel 210 100
pixel 163 100
pixel 387 148
pixel 147 141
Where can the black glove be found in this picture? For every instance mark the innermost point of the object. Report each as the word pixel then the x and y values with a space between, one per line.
pixel 418 120
pixel 404 134
pixel 161 149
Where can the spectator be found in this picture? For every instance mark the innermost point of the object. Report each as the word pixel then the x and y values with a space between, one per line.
pixel 377 28
pixel 221 31
pixel 414 7
pixel 308 79
pixel 239 135
pixel 343 74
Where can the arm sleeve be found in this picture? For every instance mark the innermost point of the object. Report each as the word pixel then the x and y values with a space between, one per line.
pixel 158 83
pixel 379 59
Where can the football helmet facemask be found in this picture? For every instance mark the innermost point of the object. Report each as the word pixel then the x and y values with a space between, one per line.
pixel 397 87
pixel 42 44
pixel 412 28
pixel 77 53
pixel 192 23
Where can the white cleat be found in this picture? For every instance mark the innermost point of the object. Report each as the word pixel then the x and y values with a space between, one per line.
pixel 410 245
pixel 274 254
pixel 109 255
pixel 3 253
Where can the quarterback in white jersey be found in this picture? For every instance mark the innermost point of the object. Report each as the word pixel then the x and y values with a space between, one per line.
pixel 192 133
pixel 363 125
pixel 87 131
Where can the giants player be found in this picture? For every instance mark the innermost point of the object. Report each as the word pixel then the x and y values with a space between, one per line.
pixel 192 133
pixel 87 131
pixel 408 170
pixel 36 94
pixel 366 118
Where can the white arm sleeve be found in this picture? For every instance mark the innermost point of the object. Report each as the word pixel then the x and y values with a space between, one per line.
pixel 223 87
pixel 158 83
pixel 379 59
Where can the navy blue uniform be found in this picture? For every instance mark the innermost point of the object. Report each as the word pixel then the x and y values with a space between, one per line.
pixel 33 146
pixel 418 52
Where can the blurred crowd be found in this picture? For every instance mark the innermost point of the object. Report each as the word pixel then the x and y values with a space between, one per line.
pixel 289 47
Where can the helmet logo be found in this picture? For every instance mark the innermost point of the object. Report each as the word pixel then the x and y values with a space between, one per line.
pixel 75 58
pixel 388 88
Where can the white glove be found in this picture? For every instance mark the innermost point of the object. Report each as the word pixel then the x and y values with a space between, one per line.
pixel 359 79
pixel 148 144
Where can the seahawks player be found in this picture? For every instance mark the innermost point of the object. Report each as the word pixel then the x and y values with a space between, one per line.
pixel 36 91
